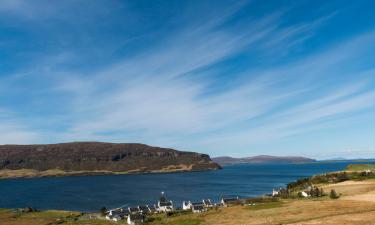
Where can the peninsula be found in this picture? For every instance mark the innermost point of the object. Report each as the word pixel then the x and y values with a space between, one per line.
pixel 93 158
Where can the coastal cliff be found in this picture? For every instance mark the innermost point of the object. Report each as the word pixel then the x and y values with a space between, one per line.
pixel 86 158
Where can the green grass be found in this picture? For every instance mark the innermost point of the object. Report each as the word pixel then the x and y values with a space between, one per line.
pixel 360 167
pixel 269 205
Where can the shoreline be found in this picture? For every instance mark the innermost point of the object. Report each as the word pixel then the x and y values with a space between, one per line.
pixel 35 174
pixel 355 194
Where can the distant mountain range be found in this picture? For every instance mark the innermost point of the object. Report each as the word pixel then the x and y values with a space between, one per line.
pixel 225 160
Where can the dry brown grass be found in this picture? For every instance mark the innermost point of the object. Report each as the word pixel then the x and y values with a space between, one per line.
pixel 292 212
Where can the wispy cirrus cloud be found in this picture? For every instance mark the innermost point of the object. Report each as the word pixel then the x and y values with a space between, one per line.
pixel 198 87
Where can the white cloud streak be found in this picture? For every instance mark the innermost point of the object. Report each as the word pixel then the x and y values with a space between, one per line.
pixel 154 97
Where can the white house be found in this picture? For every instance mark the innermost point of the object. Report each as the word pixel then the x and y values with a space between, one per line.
pixel 207 203
pixel 152 208
pixel 166 206
pixel 228 201
pixel 186 205
pixel 197 207
pixel 115 215
pixel 135 219
pixel 134 210
pixel 144 209
pixel 275 193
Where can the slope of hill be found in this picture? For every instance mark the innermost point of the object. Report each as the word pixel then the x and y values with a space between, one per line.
pixel 96 158
pixel 225 160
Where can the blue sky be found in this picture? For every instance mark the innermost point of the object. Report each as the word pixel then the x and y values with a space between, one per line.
pixel 236 78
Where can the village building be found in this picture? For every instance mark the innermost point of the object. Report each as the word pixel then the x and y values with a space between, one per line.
pixel 135 219
pixel 186 205
pixel 197 207
pixel 164 205
pixel 207 203
pixel 125 211
pixel 134 210
pixel 144 209
pixel 115 215
pixel 229 201
pixel 152 208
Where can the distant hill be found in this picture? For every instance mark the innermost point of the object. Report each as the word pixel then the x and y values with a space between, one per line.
pixel 347 160
pixel 96 158
pixel 225 160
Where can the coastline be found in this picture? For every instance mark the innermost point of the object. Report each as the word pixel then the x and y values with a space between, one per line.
pixel 357 199
pixel 30 173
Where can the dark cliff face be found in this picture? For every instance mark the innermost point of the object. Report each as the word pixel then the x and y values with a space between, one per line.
pixel 91 156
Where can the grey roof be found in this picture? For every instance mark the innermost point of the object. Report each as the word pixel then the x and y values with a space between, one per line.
pixel 165 203
pixel 207 201
pixel 230 199
pixel 197 204
pixel 125 210
pixel 133 209
pixel 144 208
pixel 117 213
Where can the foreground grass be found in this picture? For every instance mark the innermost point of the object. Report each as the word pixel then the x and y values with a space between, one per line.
pixel 268 205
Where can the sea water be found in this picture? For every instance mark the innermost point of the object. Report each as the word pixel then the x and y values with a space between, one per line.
pixel 90 193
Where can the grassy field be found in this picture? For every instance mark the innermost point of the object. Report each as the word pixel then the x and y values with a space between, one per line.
pixel 360 167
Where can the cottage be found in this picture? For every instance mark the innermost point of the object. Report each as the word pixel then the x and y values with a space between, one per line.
pixel 197 207
pixel 117 218
pixel 134 210
pixel 115 215
pixel 229 201
pixel 152 208
pixel 207 203
pixel 164 205
pixel 125 211
pixel 275 193
pixel 186 205
pixel 135 219
pixel 144 209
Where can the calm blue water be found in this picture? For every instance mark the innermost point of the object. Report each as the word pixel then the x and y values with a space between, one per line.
pixel 90 193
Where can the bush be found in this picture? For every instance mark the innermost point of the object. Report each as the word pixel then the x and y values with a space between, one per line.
pixel 333 194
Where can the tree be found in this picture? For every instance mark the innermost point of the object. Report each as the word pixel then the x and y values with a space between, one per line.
pixel 321 192
pixel 317 192
pixel 333 194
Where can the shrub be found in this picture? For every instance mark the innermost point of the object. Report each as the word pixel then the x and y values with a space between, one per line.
pixel 333 194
